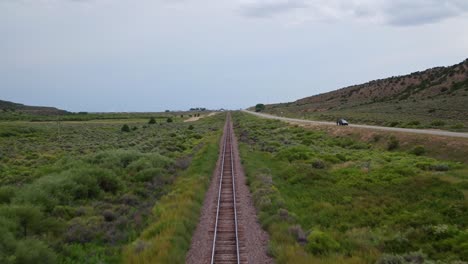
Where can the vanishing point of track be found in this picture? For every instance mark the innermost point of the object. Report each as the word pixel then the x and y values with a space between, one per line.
pixel 226 236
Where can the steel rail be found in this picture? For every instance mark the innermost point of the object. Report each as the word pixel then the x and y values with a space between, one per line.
pixel 227 138
pixel 219 200
pixel 234 193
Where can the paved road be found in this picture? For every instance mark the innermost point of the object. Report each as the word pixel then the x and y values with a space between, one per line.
pixel 392 129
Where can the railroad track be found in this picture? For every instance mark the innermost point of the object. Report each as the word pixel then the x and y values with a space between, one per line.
pixel 226 238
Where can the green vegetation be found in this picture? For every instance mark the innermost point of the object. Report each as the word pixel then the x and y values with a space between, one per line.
pixel 327 199
pixel 35 116
pixel 80 192
pixel 125 128
pixel 175 216
pixel 259 107
pixel 153 120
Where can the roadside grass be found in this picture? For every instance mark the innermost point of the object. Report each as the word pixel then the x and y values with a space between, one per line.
pixel 437 147
pixel 326 199
pixel 79 192
pixel 174 218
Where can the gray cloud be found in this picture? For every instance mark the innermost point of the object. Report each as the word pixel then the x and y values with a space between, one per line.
pixel 391 12
pixel 405 13
pixel 270 8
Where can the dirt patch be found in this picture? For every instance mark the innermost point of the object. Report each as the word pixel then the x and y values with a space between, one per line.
pixel 195 118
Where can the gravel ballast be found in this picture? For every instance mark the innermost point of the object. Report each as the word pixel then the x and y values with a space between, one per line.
pixel 254 240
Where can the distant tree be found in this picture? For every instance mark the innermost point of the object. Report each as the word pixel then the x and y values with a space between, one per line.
pixel 259 107
pixel 181 116
pixel 125 128
pixel 167 111
pixel 152 121
pixel 169 120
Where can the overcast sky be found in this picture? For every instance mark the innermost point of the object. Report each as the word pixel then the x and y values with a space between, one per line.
pixel 152 55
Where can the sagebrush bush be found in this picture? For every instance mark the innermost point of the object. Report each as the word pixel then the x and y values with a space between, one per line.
pixel 294 153
pixel 418 150
pixel 32 251
pixel 125 128
pixel 7 193
pixel 319 242
pixel 318 164
pixel 393 143
pixel 438 123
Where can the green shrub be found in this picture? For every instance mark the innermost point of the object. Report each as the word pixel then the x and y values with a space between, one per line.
pixel 7 193
pixel 125 128
pixel 391 259
pixel 414 123
pixel 259 107
pixel 108 181
pixel 318 164
pixel 438 123
pixel 394 124
pixel 418 150
pixel 295 153
pixel 321 243
pixel 109 215
pixel 169 120
pixel 434 167
pixel 393 143
pixel 114 159
pixel 7 241
pixel 440 167
pixel 32 251
pixel 458 126
pixel 152 121
pixel 148 174
pixel 341 157
pixel 397 244
pixel 29 219
pixel 80 230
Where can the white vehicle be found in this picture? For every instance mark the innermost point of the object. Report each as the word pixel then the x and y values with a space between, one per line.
pixel 341 122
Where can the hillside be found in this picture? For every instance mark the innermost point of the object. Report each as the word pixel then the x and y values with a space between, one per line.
pixel 436 97
pixel 7 106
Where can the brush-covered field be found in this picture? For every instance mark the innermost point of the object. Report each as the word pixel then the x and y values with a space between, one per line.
pixel 327 199
pixel 94 190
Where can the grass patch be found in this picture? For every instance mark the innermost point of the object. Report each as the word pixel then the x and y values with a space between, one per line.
pixel 362 204
pixel 79 192
pixel 167 238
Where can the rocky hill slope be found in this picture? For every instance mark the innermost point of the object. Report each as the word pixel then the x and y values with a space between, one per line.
pixel 6 106
pixel 436 97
